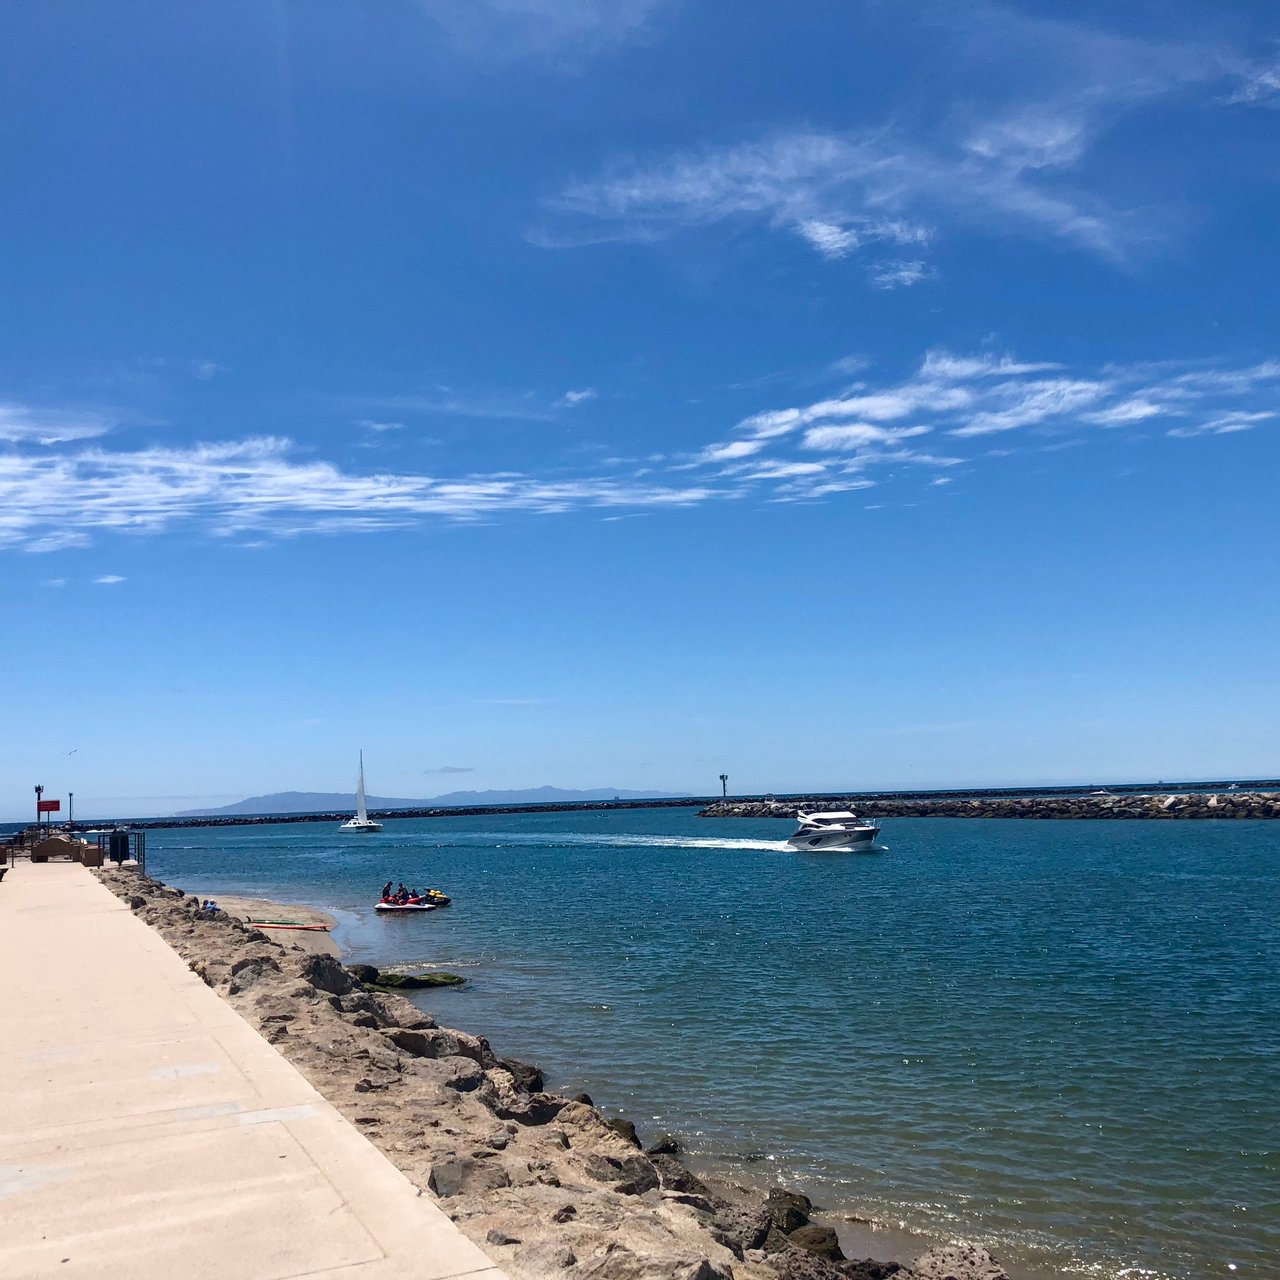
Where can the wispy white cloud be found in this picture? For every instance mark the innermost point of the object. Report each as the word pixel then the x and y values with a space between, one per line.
pixel 1125 412
pixel 260 488
pixel 571 398
pixel 785 470
pixel 901 275
pixel 844 191
pixel 1011 158
pixel 449 402
pixel 28 424
pixel 1024 403
pixel 263 485
pixel 108 579
pixel 56 540
pixel 1258 87
pixel 858 435
pixel 832 190
pixel 205 370
pixel 563 33
pixel 827 238
pixel 730 452
pixel 963 397
pixel 1227 424
pixel 451 768
pixel 945 366
pixel 847 366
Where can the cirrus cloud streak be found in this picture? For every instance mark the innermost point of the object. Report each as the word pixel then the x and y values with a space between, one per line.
pixel 938 418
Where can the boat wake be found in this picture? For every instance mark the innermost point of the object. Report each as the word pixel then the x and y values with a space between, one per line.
pixel 560 839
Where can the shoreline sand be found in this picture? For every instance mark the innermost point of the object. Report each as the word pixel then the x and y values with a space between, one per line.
pixel 254 911
pixel 546 1185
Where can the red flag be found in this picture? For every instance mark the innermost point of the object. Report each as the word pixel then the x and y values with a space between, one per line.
pixel 48 806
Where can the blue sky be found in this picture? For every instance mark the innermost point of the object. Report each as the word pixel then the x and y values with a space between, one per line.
pixel 612 394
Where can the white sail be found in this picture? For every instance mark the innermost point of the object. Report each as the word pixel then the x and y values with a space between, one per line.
pixel 362 821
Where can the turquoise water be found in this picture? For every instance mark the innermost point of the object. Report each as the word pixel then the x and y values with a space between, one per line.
pixel 1061 1038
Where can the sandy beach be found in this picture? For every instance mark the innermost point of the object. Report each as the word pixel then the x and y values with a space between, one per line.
pixel 256 911
pixel 543 1183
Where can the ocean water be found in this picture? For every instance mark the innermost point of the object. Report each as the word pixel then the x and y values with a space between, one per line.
pixel 1058 1038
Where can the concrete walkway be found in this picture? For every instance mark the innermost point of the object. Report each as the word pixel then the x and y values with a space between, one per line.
pixel 146 1130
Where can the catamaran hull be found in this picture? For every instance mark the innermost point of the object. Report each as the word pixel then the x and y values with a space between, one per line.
pixel 362 827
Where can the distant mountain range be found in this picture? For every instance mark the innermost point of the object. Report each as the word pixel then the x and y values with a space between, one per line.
pixel 340 801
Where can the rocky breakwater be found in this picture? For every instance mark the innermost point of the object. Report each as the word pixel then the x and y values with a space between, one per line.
pixel 388 815
pixel 1229 804
pixel 548 1186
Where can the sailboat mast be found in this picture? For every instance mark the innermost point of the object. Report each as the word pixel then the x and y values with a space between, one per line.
pixel 360 809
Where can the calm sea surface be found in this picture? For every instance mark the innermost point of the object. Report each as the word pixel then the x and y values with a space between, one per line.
pixel 1060 1038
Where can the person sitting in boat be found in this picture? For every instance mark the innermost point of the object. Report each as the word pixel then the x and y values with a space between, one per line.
pixel 402 894
pixel 386 891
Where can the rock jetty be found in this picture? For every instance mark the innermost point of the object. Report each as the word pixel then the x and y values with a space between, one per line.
pixel 386 815
pixel 1228 804
pixel 547 1186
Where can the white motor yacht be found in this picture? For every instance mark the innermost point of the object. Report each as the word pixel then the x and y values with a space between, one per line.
pixel 835 829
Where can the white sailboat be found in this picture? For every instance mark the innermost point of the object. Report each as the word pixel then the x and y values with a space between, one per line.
pixel 362 821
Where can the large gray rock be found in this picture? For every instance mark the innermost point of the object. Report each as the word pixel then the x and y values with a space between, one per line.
pixel 249 972
pixel 957 1262
pixel 631 1175
pixel 798 1264
pixel 501 1094
pixel 439 1042
pixel 460 1074
pixel 675 1177
pixel 326 974
pixel 624 1129
pixel 399 1012
pixel 666 1145
pixel 787 1209
pixel 820 1240
pixel 739 1230
pixel 465 1177
pixel 870 1269
pixel 618 1263
pixel 526 1077
pixel 547 1255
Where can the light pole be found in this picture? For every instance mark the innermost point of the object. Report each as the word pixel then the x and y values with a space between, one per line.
pixel 724 785
pixel 39 794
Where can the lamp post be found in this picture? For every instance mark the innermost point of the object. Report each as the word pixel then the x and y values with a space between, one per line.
pixel 724 785
pixel 39 794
